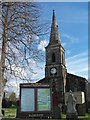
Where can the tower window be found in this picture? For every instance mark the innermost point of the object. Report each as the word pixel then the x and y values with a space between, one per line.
pixel 62 59
pixel 53 57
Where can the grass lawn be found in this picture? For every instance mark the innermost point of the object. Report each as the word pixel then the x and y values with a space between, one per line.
pixel 11 113
pixel 87 116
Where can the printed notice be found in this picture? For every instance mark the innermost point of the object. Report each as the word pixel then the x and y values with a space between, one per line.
pixel 27 100
pixel 44 99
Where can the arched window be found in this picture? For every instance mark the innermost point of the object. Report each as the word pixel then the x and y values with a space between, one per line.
pixel 53 57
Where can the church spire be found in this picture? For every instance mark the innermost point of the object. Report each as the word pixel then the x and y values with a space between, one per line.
pixel 54 36
pixel 54 19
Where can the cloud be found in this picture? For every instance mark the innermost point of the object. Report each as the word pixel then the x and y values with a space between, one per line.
pixel 68 51
pixel 81 55
pixel 78 64
pixel 32 62
pixel 39 75
pixel 12 86
pixel 35 37
pixel 63 44
pixel 70 38
pixel 42 45
pixel 19 70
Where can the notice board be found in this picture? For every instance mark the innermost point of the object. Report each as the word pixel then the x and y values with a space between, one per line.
pixel 35 100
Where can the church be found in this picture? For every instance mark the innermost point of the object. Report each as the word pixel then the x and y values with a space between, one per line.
pixel 56 73
pixel 49 94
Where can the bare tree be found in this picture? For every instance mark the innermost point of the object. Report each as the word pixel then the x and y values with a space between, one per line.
pixel 19 40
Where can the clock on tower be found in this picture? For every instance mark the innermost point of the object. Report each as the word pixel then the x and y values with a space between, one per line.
pixel 53 71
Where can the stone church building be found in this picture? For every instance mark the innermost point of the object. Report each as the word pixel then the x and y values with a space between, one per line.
pixel 56 73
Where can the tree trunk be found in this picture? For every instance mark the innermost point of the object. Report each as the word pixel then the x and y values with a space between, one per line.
pixel 2 63
pixel 2 66
pixel 1 93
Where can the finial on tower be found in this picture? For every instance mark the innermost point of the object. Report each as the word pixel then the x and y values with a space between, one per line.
pixel 53 10
pixel 54 15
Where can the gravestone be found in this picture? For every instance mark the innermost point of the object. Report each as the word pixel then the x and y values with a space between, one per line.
pixel 81 109
pixel 71 107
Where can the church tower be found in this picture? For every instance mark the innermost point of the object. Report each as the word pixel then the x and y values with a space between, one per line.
pixel 55 69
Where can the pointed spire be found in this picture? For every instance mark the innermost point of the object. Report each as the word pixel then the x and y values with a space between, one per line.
pixel 54 18
pixel 54 36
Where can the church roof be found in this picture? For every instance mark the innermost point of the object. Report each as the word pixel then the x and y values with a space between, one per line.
pixel 73 75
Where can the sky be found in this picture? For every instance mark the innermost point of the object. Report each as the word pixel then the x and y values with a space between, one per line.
pixel 62 0
pixel 72 20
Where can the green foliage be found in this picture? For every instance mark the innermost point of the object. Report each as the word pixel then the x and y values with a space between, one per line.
pixel 12 97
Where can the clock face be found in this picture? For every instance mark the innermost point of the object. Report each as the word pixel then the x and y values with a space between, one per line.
pixel 53 70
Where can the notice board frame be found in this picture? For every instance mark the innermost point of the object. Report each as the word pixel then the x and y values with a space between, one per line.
pixel 35 113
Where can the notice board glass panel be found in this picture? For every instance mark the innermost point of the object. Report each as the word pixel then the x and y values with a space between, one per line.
pixel 43 99
pixel 27 99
